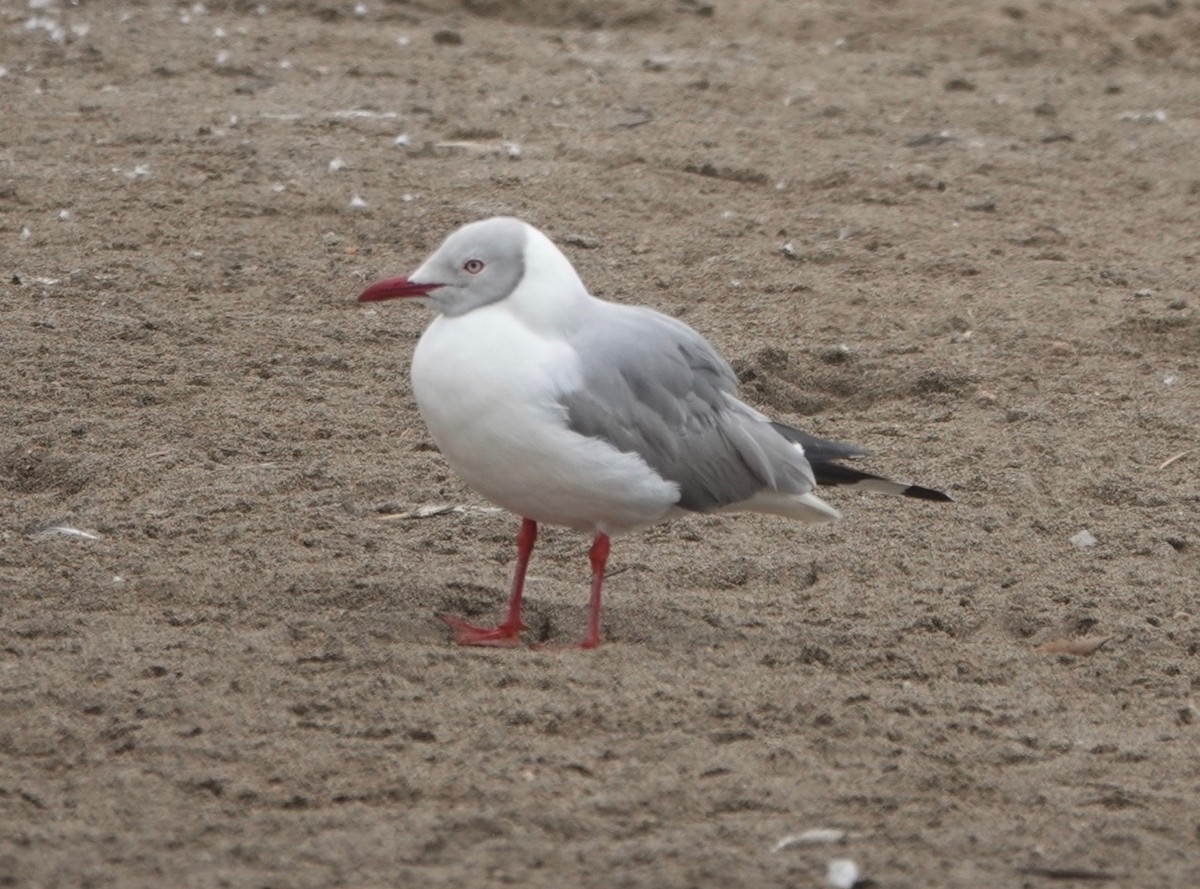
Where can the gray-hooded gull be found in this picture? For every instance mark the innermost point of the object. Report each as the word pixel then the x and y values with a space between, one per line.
pixel 570 410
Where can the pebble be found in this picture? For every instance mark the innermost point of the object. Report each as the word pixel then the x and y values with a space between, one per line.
pixel 842 873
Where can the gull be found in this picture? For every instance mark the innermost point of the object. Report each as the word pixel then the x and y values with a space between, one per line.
pixel 571 410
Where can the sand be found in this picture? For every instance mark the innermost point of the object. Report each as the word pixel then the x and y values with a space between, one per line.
pixel 961 235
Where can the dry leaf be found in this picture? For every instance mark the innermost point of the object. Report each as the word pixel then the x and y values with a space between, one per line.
pixel 1081 645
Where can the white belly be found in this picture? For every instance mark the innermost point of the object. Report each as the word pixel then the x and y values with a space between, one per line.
pixel 488 390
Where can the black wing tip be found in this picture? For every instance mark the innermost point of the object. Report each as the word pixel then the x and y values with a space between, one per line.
pixel 920 493
pixel 835 474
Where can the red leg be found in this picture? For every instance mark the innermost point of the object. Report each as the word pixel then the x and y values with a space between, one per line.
pixel 598 556
pixel 505 634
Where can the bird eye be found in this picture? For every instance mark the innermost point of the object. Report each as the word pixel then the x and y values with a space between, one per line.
pixel 473 266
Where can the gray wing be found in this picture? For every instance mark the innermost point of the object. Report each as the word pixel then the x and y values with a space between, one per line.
pixel 653 386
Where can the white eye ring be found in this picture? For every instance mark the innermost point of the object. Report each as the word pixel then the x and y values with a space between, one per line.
pixel 473 266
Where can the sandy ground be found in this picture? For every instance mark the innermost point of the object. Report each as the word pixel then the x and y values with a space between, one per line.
pixel 963 235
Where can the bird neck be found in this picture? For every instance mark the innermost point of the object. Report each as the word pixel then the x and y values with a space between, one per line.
pixel 551 298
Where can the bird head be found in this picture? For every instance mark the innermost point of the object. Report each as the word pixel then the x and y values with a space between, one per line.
pixel 479 264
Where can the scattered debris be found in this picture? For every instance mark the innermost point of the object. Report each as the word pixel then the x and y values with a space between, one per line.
pixel 1066 873
pixel 54 31
pixel 365 114
pixel 581 241
pixel 697 7
pixel 926 139
pixel 984 205
pixel 140 171
pixel 637 118
pixel 337 165
pixel 479 148
pixel 1155 116
pixel 1080 645
pixel 733 174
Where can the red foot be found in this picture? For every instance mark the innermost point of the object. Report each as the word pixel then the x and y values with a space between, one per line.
pixel 504 636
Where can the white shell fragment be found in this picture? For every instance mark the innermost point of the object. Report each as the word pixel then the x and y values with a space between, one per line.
pixel 1083 539
pixel 438 509
pixel 812 837
pixel 68 531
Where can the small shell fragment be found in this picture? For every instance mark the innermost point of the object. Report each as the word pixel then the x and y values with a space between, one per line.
pixel 1083 539
pixel 812 837
pixel 68 531
pixel 438 509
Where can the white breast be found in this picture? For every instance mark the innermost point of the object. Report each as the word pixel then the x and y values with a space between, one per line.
pixel 488 387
